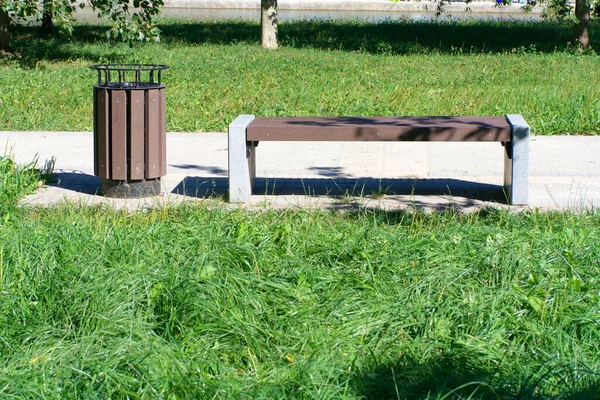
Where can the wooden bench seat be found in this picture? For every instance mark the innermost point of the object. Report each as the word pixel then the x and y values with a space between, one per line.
pixel 246 131
pixel 344 129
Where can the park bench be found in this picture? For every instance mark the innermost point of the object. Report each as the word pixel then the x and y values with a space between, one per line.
pixel 246 131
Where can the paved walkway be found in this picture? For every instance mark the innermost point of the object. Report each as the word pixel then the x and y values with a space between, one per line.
pixel 355 5
pixel 565 172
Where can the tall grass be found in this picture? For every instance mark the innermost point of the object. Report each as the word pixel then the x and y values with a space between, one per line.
pixel 17 180
pixel 219 71
pixel 207 303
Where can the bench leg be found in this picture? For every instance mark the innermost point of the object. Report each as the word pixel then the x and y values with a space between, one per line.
pixel 516 161
pixel 242 160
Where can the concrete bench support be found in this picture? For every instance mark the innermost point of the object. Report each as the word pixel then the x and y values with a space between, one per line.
pixel 516 161
pixel 242 160
pixel 512 131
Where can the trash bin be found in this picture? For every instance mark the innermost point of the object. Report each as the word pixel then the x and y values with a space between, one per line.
pixel 129 129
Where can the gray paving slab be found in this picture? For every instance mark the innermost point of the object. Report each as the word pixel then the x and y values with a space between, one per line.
pixel 565 172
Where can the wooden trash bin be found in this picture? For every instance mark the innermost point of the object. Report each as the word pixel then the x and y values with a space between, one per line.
pixel 129 129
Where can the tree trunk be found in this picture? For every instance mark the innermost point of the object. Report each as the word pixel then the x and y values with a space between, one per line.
pixel 4 31
pixel 268 24
pixel 581 28
pixel 47 14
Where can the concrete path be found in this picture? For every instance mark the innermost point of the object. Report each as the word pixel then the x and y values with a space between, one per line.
pixel 565 172
pixel 479 6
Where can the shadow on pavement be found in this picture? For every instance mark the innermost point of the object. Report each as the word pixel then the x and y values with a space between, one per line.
pixel 205 187
pixel 76 181
pixel 460 191
pixel 202 187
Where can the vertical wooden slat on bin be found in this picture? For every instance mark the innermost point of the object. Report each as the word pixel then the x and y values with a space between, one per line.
pixel 118 143
pixel 95 114
pixel 152 134
pixel 136 140
pixel 101 127
pixel 163 133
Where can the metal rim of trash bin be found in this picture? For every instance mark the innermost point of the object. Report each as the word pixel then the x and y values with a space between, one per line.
pixel 122 71
pixel 122 79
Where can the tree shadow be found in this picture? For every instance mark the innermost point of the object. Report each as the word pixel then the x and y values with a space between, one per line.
pixel 395 129
pixel 210 169
pixel 389 37
pixel 29 43
pixel 464 376
pixel 446 37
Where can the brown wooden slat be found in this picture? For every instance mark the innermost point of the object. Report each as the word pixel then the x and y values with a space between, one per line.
pixel 95 138
pixel 162 133
pixel 118 143
pixel 101 140
pixel 152 134
pixel 380 129
pixel 136 130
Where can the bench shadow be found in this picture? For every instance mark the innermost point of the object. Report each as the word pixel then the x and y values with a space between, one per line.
pixel 202 187
pixel 335 186
pixel 381 188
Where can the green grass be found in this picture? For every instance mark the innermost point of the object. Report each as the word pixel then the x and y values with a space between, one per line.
pixel 193 302
pixel 17 180
pixel 219 71
pixel 208 302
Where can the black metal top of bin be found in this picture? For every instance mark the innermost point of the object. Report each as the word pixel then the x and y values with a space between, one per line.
pixel 129 76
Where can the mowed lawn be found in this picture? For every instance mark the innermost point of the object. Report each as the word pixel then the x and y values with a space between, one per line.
pixel 219 71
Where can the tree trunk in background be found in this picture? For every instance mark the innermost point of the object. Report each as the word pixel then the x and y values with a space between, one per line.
pixel 581 28
pixel 268 24
pixel 4 31
pixel 47 14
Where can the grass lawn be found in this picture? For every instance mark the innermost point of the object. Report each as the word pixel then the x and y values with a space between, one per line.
pixel 209 302
pixel 218 71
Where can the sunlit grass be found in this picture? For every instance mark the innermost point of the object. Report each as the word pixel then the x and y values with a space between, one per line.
pixel 200 303
pixel 16 181
pixel 219 71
